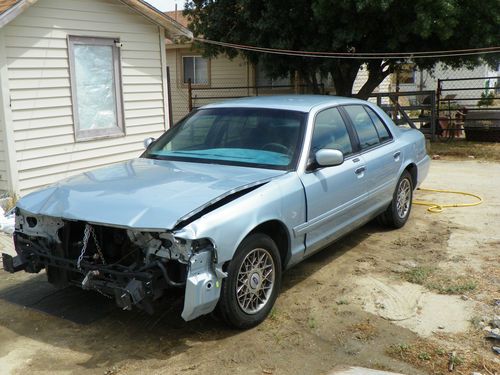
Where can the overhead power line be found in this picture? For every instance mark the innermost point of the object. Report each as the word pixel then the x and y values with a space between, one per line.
pixel 355 55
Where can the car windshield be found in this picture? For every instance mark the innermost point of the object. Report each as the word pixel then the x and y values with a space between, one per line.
pixel 255 137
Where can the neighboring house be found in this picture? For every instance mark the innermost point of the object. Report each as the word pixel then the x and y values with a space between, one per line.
pixel 82 84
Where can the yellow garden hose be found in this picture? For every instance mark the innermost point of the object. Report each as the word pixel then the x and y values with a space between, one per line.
pixel 436 208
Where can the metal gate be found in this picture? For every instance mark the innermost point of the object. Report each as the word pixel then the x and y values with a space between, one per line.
pixel 466 104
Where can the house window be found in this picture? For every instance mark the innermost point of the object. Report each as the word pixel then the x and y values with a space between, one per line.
pixel 195 68
pixel 95 87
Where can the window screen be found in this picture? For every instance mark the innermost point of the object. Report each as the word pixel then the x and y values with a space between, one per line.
pixel 95 87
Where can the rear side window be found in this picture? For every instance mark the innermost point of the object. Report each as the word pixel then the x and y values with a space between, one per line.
pixel 330 132
pixel 382 131
pixel 363 124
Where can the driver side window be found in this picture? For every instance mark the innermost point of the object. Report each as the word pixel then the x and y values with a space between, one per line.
pixel 330 132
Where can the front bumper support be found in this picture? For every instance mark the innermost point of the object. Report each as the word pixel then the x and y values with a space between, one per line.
pixel 127 287
pixel 13 264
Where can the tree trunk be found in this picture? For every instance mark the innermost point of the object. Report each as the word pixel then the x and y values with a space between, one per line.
pixel 344 74
pixel 315 85
pixel 376 74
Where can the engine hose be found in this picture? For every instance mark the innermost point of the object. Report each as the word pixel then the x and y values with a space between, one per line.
pixel 437 208
pixel 165 275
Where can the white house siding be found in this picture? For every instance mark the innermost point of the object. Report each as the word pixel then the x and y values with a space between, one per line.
pixel 3 164
pixel 223 73
pixel 38 71
pixel 4 117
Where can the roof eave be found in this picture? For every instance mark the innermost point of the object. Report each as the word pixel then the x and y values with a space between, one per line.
pixel 15 11
pixel 174 30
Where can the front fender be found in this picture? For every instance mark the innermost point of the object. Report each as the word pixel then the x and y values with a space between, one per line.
pixel 281 199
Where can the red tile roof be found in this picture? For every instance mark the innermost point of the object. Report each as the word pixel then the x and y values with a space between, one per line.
pixel 7 4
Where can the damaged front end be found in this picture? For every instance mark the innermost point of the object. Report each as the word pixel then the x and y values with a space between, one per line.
pixel 134 267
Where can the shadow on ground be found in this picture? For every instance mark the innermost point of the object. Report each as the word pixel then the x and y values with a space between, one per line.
pixel 86 322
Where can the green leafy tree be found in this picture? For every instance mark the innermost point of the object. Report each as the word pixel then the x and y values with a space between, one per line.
pixel 347 26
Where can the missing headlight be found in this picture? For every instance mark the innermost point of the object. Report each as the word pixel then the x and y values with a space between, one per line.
pixel 201 244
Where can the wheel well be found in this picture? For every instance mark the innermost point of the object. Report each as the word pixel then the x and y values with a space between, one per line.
pixel 412 169
pixel 277 231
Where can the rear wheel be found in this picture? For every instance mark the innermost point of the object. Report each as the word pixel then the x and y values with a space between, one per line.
pixel 253 282
pixel 398 211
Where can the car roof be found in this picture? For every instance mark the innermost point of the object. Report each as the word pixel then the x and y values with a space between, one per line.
pixel 302 103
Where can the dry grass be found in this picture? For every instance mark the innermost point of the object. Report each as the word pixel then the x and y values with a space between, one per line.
pixel 363 331
pixel 462 149
pixel 440 282
pixel 436 360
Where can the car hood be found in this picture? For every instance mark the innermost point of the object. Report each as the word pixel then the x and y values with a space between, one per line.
pixel 143 193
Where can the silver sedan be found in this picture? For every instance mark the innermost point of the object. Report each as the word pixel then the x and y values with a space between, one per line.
pixel 221 204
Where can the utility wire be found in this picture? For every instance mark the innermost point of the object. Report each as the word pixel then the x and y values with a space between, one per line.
pixel 354 55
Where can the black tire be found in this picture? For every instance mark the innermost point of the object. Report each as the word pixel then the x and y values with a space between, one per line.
pixel 230 307
pixel 396 216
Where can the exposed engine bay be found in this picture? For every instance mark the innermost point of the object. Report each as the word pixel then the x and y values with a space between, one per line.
pixel 132 267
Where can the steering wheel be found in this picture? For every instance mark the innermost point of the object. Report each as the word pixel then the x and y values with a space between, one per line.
pixel 277 147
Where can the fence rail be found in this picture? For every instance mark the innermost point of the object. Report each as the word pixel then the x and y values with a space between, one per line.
pixel 419 115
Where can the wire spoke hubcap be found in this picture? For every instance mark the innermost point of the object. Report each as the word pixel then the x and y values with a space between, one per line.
pixel 255 281
pixel 403 198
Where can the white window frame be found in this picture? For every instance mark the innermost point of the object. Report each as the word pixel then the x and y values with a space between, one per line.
pixel 90 134
pixel 194 83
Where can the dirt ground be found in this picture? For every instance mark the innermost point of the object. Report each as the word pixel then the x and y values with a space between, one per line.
pixel 398 300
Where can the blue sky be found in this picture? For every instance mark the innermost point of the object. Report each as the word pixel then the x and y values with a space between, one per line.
pixel 165 5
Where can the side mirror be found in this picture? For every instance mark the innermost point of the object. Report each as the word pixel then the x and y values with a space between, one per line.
pixel 148 141
pixel 328 158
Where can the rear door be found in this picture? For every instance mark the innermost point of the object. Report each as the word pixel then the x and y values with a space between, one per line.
pixel 381 154
pixel 332 193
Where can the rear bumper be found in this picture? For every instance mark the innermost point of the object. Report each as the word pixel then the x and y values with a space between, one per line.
pixel 423 167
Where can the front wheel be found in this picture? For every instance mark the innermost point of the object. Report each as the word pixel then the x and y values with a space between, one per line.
pixel 398 212
pixel 253 282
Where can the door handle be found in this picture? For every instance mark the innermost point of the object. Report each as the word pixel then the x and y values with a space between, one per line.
pixel 359 170
pixel 396 155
